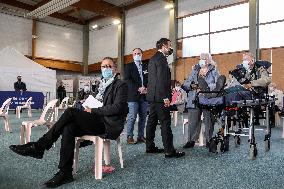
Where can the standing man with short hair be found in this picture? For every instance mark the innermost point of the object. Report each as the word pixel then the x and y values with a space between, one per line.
pixel 19 85
pixel 136 77
pixel 159 97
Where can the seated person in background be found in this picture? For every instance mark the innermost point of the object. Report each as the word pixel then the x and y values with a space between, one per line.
pixel 273 91
pixel 107 121
pixel 178 98
pixel 205 77
pixel 19 85
pixel 277 108
pixel 254 77
pixel 61 92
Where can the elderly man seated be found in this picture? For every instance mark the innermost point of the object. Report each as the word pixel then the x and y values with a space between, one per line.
pixel 106 121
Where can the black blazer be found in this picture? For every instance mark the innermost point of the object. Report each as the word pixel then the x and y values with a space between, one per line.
pixel 133 80
pixel 114 109
pixel 159 79
pixel 20 86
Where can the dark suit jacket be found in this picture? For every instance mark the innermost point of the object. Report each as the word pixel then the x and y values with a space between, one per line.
pixel 114 109
pixel 133 80
pixel 159 79
pixel 20 86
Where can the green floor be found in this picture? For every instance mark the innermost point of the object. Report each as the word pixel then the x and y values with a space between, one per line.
pixel 198 169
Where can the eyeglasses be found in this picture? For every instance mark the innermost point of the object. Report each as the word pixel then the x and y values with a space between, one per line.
pixel 106 66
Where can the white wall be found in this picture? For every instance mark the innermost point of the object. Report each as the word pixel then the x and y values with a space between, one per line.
pixel 103 42
pixel 59 42
pixel 145 25
pixel 188 7
pixel 16 32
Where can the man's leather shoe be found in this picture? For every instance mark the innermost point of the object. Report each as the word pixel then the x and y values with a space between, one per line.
pixel 59 179
pixel 175 155
pixel 155 150
pixel 189 144
pixel 29 149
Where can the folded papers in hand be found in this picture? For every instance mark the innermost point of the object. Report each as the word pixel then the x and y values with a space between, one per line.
pixel 92 102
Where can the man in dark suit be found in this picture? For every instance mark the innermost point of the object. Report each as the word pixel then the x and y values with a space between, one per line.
pixel 106 121
pixel 136 76
pixel 159 97
pixel 19 85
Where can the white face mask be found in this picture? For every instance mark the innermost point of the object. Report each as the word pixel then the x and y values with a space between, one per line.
pixel 202 63
pixel 177 88
pixel 246 64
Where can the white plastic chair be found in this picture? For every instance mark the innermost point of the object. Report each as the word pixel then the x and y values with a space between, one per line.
pixel 100 146
pixel 46 118
pixel 27 105
pixel 63 106
pixel 4 110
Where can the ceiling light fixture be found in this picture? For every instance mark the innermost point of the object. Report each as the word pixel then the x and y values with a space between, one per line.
pixel 50 8
pixel 95 26
pixel 116 22
pixel 169 6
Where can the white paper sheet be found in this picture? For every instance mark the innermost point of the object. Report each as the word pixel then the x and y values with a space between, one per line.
pixel 91 102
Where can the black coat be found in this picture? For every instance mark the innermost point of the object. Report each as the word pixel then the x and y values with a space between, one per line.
pixel 133 80
pixel 20 86
pixel 159 79
pixel 114 109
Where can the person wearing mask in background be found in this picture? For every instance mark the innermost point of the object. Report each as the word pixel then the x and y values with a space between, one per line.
pixel 106 121
pixel 178 97
pixel 61 92
pixel 136 77
pixel 159 97
pixel 204 77
pixel 277 108
pixel 19 85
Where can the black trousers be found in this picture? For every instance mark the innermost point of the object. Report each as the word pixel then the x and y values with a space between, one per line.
pixel 161 113
pixel 72 123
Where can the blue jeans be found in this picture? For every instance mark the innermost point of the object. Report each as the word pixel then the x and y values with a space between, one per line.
pixel 135 108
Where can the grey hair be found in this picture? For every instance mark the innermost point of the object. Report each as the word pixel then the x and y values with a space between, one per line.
pixel 210 59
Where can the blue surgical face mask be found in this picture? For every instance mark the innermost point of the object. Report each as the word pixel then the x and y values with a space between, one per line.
pixel 137 58
pixel 202 63
pixel 246 64
pixel 107 73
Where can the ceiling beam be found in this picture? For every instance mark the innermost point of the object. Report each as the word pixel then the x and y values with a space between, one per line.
pixel 77 10
pixel 100 7
pixel 41 3
pixel 95 18
pixel 137 4
pixel 28 7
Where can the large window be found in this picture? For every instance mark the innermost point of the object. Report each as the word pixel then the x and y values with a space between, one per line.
pixel 231 41
pixel 231 17
pixel 271 19
pixel 270 10
pixel 195 25
pixel 218 31
pixel 195 45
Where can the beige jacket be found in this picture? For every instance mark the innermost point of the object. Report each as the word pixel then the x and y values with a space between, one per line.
pixel 264 79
